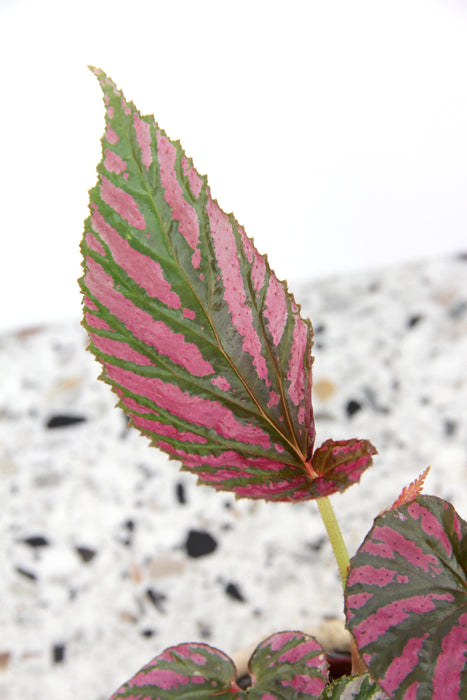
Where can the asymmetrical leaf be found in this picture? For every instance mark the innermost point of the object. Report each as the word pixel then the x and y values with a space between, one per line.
pixel 287 666
pixel 204 346
pixel 195 671
pixel 359 687
pixel 406 601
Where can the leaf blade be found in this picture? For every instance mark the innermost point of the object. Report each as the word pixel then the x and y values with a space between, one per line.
pixel 407 587
pixel 356 687
pixel 337 464
pixel 195 671
pixel 288 665
pixel 205 348
pixel 166 272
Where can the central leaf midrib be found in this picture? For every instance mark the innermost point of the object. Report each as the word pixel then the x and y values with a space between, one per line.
pixel 294 447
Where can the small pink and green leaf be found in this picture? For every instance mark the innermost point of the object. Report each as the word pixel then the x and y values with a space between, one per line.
pixel 287 666
pixel 407 592
pixel 338 464
pixel 358 687
pixel 197 671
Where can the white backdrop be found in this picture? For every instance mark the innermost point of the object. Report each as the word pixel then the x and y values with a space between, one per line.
pixel 335 130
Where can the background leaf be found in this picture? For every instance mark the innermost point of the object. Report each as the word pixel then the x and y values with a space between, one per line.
pixel 287 666
pixel 406 601
pixel 359 687
pixel 197 671
pixel 204 346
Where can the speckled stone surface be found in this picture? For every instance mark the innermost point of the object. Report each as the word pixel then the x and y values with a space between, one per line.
pixel 109 554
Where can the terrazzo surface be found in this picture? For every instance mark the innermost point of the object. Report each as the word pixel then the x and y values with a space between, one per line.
pixel 109 554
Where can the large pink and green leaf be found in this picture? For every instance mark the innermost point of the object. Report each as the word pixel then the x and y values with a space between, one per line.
pixel 287 666
pixel 406 601
pixel 205 348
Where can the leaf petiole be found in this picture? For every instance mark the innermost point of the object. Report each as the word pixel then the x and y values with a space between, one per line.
pixel 335 537
pixel 343 563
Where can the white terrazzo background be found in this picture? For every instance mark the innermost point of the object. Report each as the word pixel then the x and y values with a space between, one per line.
pixel 95 574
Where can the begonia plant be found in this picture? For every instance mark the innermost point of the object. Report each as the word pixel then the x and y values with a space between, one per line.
pixel 211 360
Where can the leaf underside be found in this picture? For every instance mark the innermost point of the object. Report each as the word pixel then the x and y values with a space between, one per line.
pixel 204 347
pixel 406 601
pixel 287 666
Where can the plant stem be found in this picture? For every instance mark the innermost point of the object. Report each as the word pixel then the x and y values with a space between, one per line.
pixel 335 537
pixel 343 562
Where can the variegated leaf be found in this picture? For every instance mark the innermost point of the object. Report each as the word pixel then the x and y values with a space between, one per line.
pixel 205 348
pixel 338 464
pixel 194 671
pixel 287 666
pixel 406 601
pixel 359 687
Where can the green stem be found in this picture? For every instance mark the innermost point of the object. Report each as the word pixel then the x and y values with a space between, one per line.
pixel 335 537
pixel 343 563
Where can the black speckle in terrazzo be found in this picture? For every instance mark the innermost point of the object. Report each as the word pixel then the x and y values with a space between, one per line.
pixel 148 633
pixel 126 421
pixel 458 310
pixel 414 320
pixel 234 592
pixel 373 401
pixel 199 543
pixel 352 407
pixel 63 420
pixel 204 630
pixel 180 493
pixel 58 653
pixel 317 544
pixel 36 541
pixel 156 598
pixel 86 554
pixel 26 573
pixel 128 528
pixel 450 427
pixel 319 332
